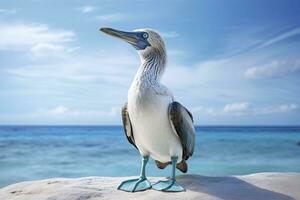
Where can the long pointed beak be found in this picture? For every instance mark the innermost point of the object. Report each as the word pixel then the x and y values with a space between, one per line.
pixel 130 37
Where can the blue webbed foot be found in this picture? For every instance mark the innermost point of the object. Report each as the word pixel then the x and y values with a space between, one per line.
pixel 135 185
pixel 168 186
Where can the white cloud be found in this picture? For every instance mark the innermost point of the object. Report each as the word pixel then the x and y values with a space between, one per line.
pixel 60 110
pixel 284 108
pixel 273 69
pixel 50 50
pixel 64 115
pixel 236 107
pixel 9 11
pixel 245 109
pixel 66 111
pixel 94 66
pixel 111 17
pixel 25 36
pixel 170 34
pixel 204 110
pixel 96 77
pixel 200 73
pixel 87 9
pixel 115 111
pixel 279 38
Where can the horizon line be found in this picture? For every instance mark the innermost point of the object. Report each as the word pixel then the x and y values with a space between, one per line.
pixel 197 125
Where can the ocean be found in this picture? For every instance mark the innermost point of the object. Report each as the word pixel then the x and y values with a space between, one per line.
pixel 39 152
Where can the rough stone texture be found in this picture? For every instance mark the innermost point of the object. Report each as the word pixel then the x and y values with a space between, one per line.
pixel 262 186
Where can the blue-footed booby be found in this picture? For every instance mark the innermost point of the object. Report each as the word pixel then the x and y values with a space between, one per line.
pixel 154 123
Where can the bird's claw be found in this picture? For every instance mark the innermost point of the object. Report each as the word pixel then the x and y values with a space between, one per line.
pixel 135 185
pixel 168 186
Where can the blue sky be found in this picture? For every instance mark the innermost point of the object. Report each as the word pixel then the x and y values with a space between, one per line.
pixel 229 62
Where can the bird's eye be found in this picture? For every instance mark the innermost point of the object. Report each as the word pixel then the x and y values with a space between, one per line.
pixel 145 35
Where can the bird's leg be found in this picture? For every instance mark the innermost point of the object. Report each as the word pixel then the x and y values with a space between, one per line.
pixel 139 184
pixel 169 185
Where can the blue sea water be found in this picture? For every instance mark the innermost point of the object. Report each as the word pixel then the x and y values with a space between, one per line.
pixel 38 152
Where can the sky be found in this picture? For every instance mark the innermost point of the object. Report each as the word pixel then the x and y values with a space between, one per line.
pixel 229 62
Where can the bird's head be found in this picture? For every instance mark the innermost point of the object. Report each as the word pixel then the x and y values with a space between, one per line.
pixel 146 41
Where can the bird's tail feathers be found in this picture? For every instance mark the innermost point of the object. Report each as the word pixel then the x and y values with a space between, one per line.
pixel 162 165
pixel 182 166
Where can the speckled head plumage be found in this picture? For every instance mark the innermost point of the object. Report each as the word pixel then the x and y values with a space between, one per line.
pixel 156 46
pixel 150 47
pixel 146 41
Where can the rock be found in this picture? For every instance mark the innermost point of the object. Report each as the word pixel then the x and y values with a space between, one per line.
pixel 261 186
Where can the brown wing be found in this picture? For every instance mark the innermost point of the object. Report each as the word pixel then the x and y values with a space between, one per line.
pixel 182 122
pixel 127 126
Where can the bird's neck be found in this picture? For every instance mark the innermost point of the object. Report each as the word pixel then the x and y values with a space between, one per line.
pixel 152 68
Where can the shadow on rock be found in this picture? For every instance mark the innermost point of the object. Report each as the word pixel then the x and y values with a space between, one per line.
pixel 228 188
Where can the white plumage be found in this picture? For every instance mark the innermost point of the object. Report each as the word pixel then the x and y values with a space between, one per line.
pixel 153 122
pixel 148 102
pixel 148 111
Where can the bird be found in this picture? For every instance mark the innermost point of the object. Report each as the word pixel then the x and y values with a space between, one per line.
pixel 156 124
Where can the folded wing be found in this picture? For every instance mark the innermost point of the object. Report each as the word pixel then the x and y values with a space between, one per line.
pixel 127 126
pixel 182 123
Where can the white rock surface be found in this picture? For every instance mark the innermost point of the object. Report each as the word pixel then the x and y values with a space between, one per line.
pixel 262 186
